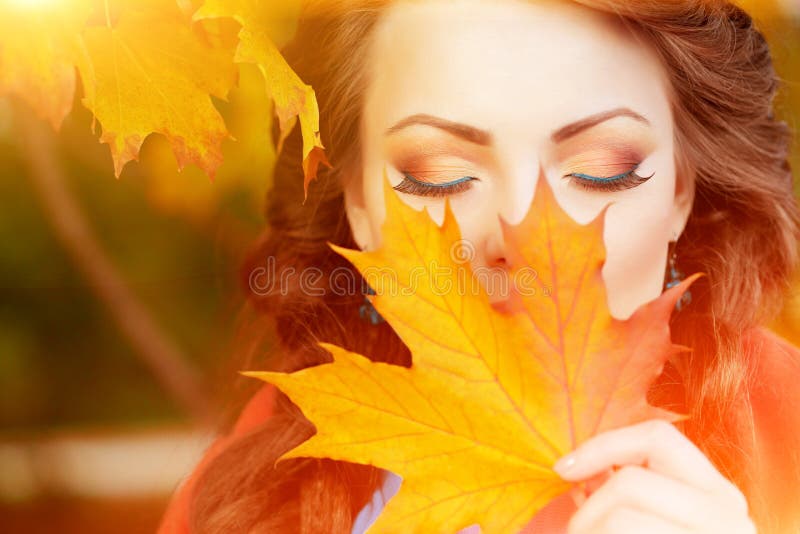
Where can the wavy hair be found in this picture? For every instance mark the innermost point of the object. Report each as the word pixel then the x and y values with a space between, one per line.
pixel 742 231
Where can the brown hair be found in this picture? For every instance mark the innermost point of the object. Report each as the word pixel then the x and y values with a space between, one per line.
pixel 743 232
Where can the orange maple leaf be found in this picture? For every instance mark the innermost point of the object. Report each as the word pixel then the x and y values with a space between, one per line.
pixel 150 73
pixel 491 399
pixel 264 27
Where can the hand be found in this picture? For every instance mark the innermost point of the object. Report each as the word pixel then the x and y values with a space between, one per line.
pixel 665 485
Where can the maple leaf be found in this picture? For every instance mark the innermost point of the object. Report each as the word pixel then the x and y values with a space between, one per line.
pixel 491 399
pixel 264 28
pixel 37 62
pixel 245 171
pixel 150 73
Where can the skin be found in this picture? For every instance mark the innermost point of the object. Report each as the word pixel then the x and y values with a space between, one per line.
pixel 523 74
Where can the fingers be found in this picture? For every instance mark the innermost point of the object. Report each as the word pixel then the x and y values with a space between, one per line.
pixel 655 444
pixel 624 520
pixel 665 484
pixel 647 492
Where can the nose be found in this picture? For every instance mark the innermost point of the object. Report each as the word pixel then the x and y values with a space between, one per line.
pixel 496 253
pixel 511 199
pixel 511 202
pixel 498 277
pixel 515 191
pixel 497 273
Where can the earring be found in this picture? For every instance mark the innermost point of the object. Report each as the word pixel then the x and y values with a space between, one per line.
pixel 367 311
pixel 675 277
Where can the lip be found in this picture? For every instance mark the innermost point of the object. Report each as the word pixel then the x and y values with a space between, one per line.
pixel 508 301
pixel 502 306
pixel 512 304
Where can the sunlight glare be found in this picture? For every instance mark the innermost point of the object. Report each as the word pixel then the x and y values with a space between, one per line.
pixel 31 3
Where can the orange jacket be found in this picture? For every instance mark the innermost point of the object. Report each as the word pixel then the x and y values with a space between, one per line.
pixel 774 394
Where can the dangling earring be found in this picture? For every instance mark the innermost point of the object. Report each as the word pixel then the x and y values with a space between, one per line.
pixel 367 311
pixel 675 278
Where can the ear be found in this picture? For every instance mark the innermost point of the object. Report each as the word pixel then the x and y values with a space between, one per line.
pixel 685 189
pixel 356 211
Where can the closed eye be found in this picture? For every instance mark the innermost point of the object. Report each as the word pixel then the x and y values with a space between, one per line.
pixel 415 186
pixel 620 182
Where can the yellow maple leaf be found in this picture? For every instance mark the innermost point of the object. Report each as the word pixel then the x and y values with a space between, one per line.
pixel 246 171
pixel 264 26
pixel 37 46
pixel 150 73
pixel 491 399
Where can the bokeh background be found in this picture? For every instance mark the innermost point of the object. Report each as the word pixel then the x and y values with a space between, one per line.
pixel 118 301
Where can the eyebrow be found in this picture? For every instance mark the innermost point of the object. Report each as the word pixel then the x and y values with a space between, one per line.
pixel 573 129
pixel 464 131
pixel 484 138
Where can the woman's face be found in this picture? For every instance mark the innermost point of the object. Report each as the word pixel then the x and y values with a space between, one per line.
pixel 477 100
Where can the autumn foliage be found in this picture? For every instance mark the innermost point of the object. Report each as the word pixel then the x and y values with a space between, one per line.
pixel 153 66
pixel 491 399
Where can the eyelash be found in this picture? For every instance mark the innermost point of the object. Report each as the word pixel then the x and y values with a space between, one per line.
pixel 414 186
pixel 626 180
pixel 620 182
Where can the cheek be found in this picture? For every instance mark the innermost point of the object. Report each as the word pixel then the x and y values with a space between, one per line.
pixel 637 233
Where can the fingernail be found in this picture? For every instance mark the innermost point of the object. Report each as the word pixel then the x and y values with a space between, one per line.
pixel 565 464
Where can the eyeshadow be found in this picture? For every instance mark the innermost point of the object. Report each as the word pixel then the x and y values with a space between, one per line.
pixel 605 150
pixel 607 159
pixel 423 142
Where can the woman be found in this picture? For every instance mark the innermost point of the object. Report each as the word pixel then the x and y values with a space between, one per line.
pixel 663 109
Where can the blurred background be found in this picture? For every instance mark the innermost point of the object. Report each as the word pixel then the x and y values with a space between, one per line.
pixel 118 300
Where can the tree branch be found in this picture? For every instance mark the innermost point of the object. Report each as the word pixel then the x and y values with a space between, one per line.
pixel 156 350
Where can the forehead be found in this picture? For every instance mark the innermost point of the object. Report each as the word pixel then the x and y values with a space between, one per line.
pixel 514 67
